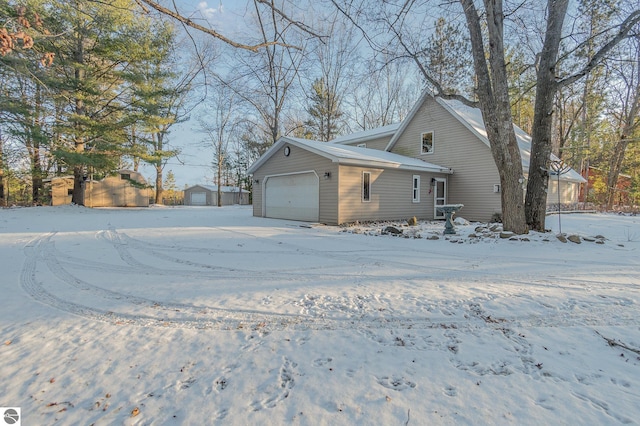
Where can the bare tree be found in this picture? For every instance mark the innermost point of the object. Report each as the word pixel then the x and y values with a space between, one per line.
pixel 333 74
pixel 264 81
pixel 626 93
pixel 191 23
pixel 383 95
pixel 492 88
pixel 548 84
pixel 220 122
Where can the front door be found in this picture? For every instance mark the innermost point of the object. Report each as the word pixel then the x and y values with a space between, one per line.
pixel 439 196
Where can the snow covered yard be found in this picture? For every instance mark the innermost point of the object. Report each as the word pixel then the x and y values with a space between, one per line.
pixel 198 316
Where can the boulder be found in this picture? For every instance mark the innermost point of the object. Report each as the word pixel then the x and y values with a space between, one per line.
pixel 391 230
pixel 575 239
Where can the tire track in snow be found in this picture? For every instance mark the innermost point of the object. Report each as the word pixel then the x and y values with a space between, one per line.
pixel 42 249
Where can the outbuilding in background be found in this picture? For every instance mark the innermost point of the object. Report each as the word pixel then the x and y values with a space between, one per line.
pixel 124 188
pixel 207 195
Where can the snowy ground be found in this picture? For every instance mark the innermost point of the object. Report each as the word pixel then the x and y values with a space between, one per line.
pixel 199 316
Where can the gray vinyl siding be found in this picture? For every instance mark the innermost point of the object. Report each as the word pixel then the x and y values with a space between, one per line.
pixel 300 160
pixel 391 195
pixel 377 143
pixel 568 192
pixel 456 147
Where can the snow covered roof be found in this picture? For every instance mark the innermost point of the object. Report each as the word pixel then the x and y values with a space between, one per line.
pixel 352 155
pixel 214 188
pixel 471 118
pixel 367 135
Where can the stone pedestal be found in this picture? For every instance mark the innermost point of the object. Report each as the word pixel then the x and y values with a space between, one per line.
pixel 449 210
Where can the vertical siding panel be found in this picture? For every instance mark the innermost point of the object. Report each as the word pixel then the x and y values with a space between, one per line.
pixel 456 147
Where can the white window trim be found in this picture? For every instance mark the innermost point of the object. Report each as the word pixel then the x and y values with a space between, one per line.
pixel 433 142
pixel 415 188
pixel 363 184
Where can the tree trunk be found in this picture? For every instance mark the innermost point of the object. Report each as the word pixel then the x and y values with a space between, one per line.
pixel 78 170
pixel 493 95
pixel 615 167
pixel 3 200
pixel 536 198
pixel 629 125
pixel 36 165
pixel 220 164
pixel 159 188
pixel 158 166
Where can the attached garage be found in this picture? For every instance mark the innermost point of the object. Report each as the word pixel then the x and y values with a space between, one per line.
pixel 310 181
pixel 292 196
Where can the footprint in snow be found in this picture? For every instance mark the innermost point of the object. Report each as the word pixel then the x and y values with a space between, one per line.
pixel 395 383
pixel 321 361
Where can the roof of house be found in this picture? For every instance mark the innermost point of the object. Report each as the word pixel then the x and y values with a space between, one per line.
pixel 471 118
pixel 367 135
pixel 214 188
pixel 351 155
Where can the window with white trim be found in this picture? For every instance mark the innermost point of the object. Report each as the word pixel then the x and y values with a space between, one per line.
pixel 416 188
pixel 366 186
pixel 427 142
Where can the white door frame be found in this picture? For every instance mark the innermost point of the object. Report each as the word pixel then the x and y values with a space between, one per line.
pixel 436 199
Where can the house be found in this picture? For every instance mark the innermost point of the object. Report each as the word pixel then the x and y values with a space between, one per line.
pixel 125 188
pixel 207 195
pixel 438 155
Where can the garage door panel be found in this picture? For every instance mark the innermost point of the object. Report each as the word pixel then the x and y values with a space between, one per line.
pixel 198 198
pixel 294 197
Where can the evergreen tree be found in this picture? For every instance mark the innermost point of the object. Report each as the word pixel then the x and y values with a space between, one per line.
pixel 449 59
pixel 324 114
pixel 158 98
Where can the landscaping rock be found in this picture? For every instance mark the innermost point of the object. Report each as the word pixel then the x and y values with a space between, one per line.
pixel 391 230
pixel 561 238
pixel 575 239
pixel 506 234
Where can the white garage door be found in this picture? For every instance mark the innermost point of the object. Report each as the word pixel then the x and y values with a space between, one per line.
pixel 295 197
pixel 198 198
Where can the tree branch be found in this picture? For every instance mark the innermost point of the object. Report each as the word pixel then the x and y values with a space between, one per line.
pixel 614 342
pixel 188 22
pixel 625 28
pixel 307 29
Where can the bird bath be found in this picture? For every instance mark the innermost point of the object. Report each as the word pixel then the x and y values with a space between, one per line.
pixel 449 210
